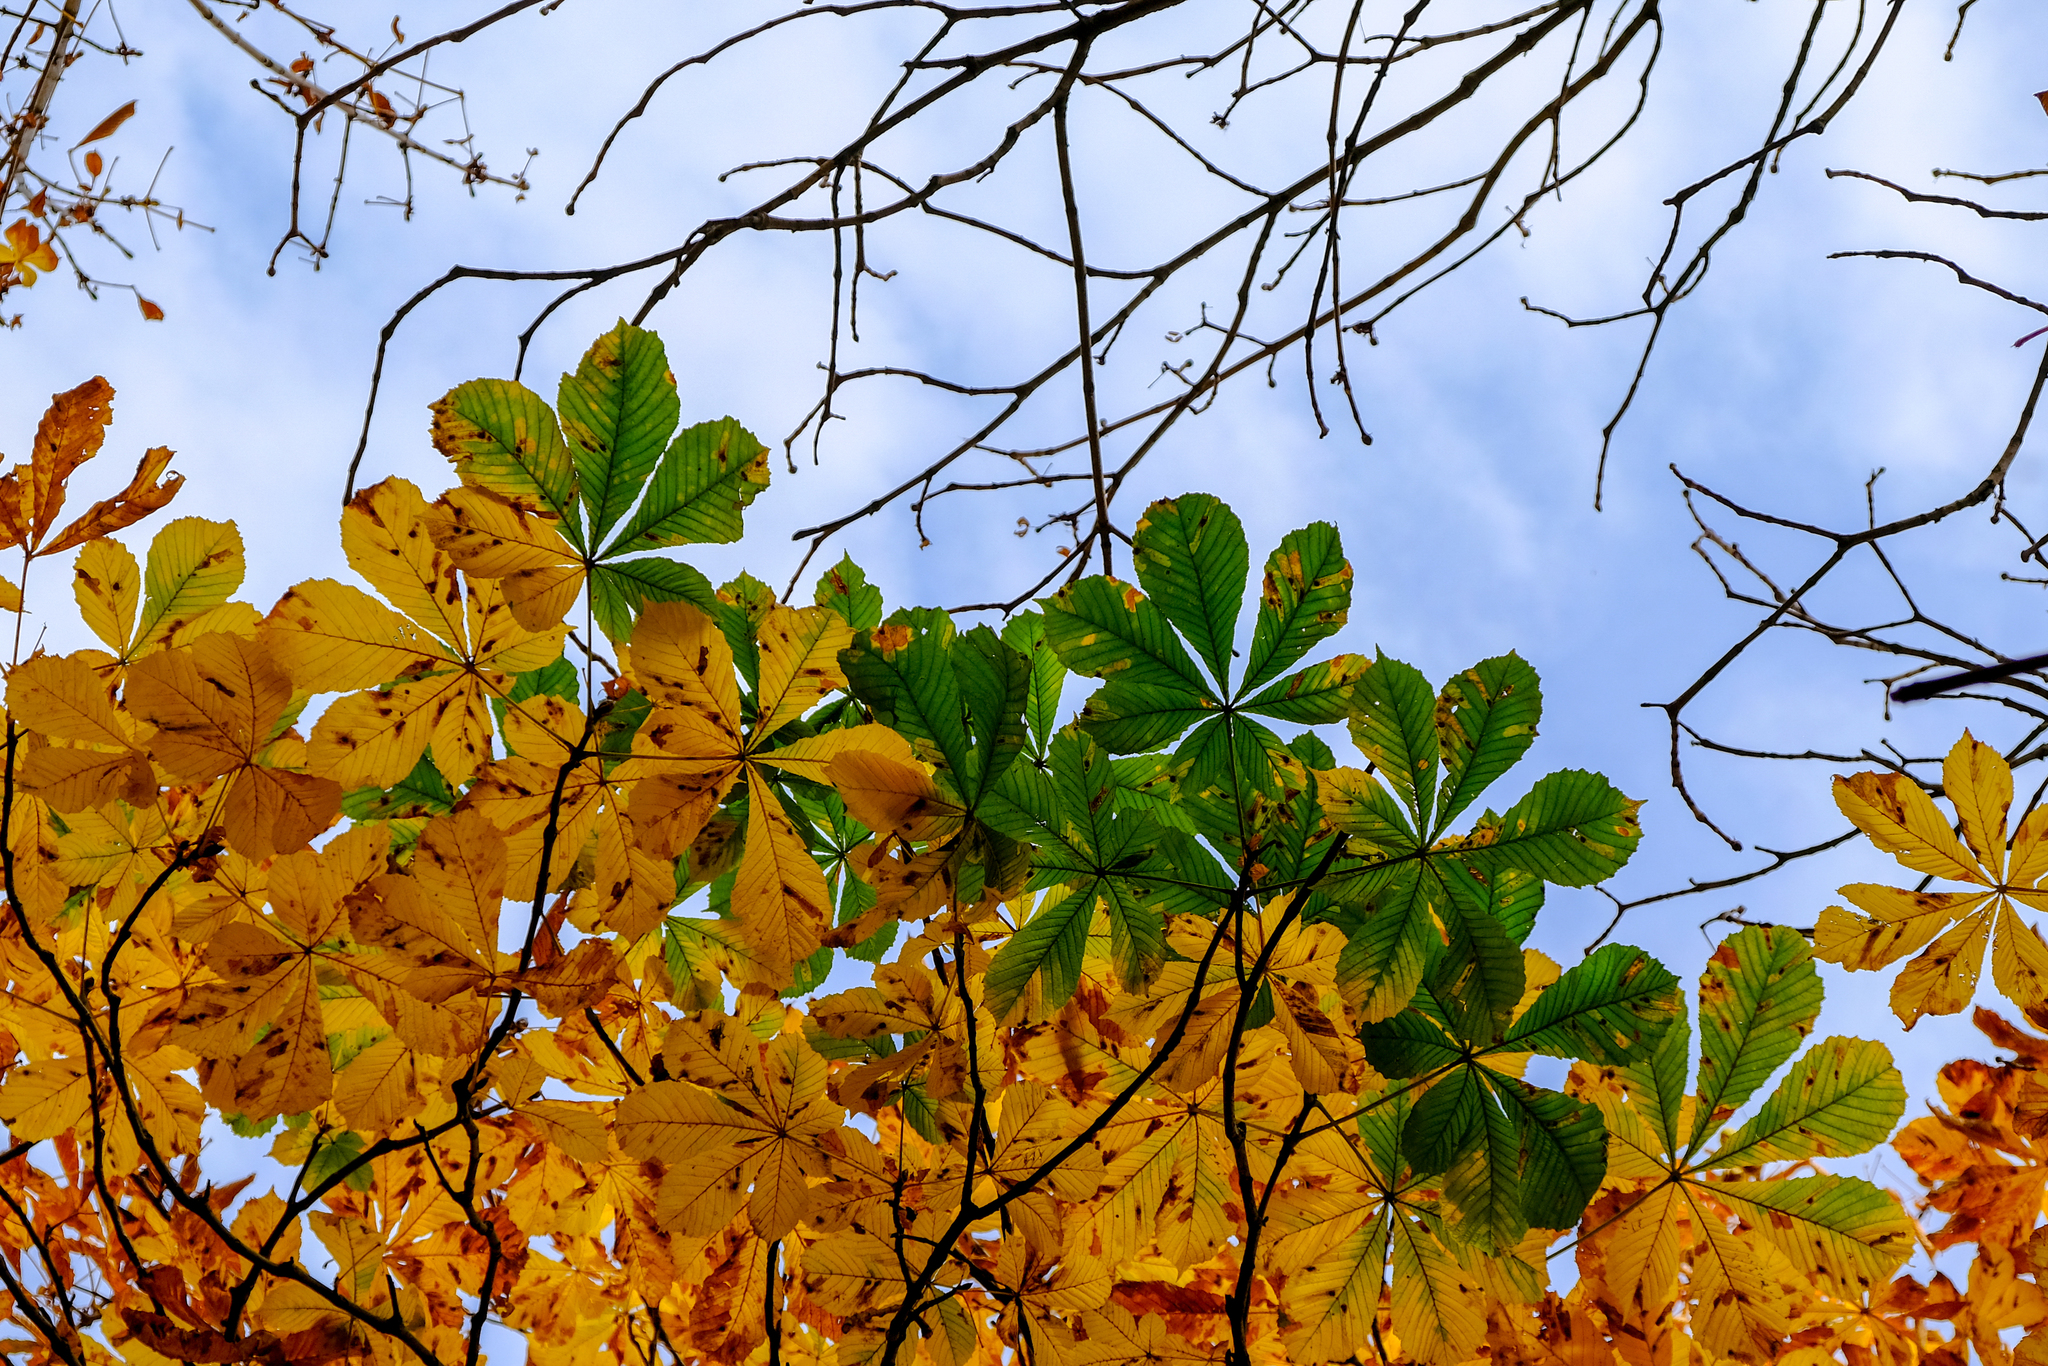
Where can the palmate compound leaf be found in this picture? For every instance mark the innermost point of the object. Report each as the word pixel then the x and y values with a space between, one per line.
pixel 1516 1156
pixel 520 518
pixel 1396 890
pixel 450 644
pixel 1841 1098
pixel 1950 929
pixel 742 1124
pixel 699 747
pixel 1191 563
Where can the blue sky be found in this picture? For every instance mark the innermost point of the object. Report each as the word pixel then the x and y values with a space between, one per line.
pixel 1784 382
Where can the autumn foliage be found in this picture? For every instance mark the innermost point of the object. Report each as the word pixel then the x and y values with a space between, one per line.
pixel 600 964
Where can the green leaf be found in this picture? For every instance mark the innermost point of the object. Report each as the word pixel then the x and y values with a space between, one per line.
pixel 1478 976
pixel 1192 559
pixel 1137 933
pixel 1050 943
pixel 617 410
pixel 1306 598
pixel 1317 695
pixel 502 436
pixel 711 473
pixel 1385 957
pixel 1516 897
pixel 1485 721
pixel 620 589
pixel 1842 1098
pixel 1410 1044
pixel 422 792
pixel 1383 960
pixel 995 683
pixel 333 1152
pixel 1020 805
pixel 1759 998
pixel 1082 777
pixel 1657 1083
pixel 1149 784
pixel 1393 723
pixel 1449 1115
pixel 845 589
pixel 1573 829
pixel 1130 718
pixel 1025 633
pixel 1605 1008
pixel 1484 1181
pixel 911 686
pixel 1564 1151
pixel 742 605
pixel 1229 783
pixel 1105 629
pixel 1358 805
pixel 1191 882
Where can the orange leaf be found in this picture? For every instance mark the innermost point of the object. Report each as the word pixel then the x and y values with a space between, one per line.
pixel 94 164
pixel 70 434
pixel 107 126
pixel 142 497
pixel 150 311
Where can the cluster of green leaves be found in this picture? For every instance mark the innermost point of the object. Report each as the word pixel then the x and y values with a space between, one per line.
pixel 1171 793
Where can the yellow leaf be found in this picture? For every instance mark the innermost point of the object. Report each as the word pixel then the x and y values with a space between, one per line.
pixel 580 1130
pixel 388 540
pixel 1978 783
pixel 379 1087
pixel 1902 820
pixel 1942 980
pixel 213 704
pixel 1437 1308
pixel 107 583
pixel 490 537
pixel 459 865
pixel 71 433
pixel 330 637
pixel 1642 1254
pixel 194 565
pixel 142 496
pixel 681 659
pixel 1900 922
pixel 44 1099
pixel 890 794
pixel 2029 850
pixel 2019 962
pixel 780 898
pixel 62 699
pixel 812 756
pixel 216 704
pixel 799 663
